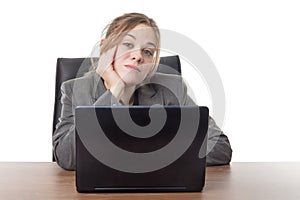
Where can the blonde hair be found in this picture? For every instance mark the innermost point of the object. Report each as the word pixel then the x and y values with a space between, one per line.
pixel 120 26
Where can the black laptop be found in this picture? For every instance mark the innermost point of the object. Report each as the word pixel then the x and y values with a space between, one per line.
pixel 140 148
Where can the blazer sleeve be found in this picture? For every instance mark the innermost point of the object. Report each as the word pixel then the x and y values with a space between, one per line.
pixel 219 150
pixel 64 135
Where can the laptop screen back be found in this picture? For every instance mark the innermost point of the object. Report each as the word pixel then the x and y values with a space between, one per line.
pixel 140 148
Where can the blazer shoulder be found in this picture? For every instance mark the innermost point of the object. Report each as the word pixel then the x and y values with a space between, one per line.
pixel 163 76
pixel 80 87
pixel 85 80
pixel 162 81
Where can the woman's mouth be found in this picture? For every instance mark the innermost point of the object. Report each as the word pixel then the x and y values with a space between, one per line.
pixel 132 67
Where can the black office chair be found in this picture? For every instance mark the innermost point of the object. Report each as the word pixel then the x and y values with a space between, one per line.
pixel 69 68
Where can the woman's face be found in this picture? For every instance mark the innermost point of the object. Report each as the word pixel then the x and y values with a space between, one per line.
pixel 134 58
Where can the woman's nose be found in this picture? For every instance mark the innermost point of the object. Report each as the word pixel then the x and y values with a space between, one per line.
pixel 137 55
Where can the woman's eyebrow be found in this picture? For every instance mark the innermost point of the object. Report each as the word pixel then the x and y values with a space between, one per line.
pixel 152 44
pixel 130 36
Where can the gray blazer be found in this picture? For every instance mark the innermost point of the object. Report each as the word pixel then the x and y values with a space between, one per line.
pixel 163 89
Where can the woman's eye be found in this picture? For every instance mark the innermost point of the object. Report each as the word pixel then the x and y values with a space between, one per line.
pixel 127 44
pixel 148 52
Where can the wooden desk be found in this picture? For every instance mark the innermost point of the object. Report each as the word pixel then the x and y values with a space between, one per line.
pixel 237 181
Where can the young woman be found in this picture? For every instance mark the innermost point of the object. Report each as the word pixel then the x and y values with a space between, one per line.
pixel 129 57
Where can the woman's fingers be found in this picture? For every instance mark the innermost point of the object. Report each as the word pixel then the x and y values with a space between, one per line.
pixel 106 60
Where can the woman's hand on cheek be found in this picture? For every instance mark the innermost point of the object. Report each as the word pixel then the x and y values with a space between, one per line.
pixel 105 61
pixel 112 80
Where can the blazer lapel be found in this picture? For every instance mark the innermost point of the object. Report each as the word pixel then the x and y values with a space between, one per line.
pixel 148 95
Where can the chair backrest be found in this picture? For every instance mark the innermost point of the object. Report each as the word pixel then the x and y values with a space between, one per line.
pixel 69 68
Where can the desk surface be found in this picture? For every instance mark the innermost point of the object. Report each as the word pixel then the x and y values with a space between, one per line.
pixel 235 181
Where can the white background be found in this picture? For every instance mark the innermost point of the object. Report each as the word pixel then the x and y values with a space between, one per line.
pixel 255 46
